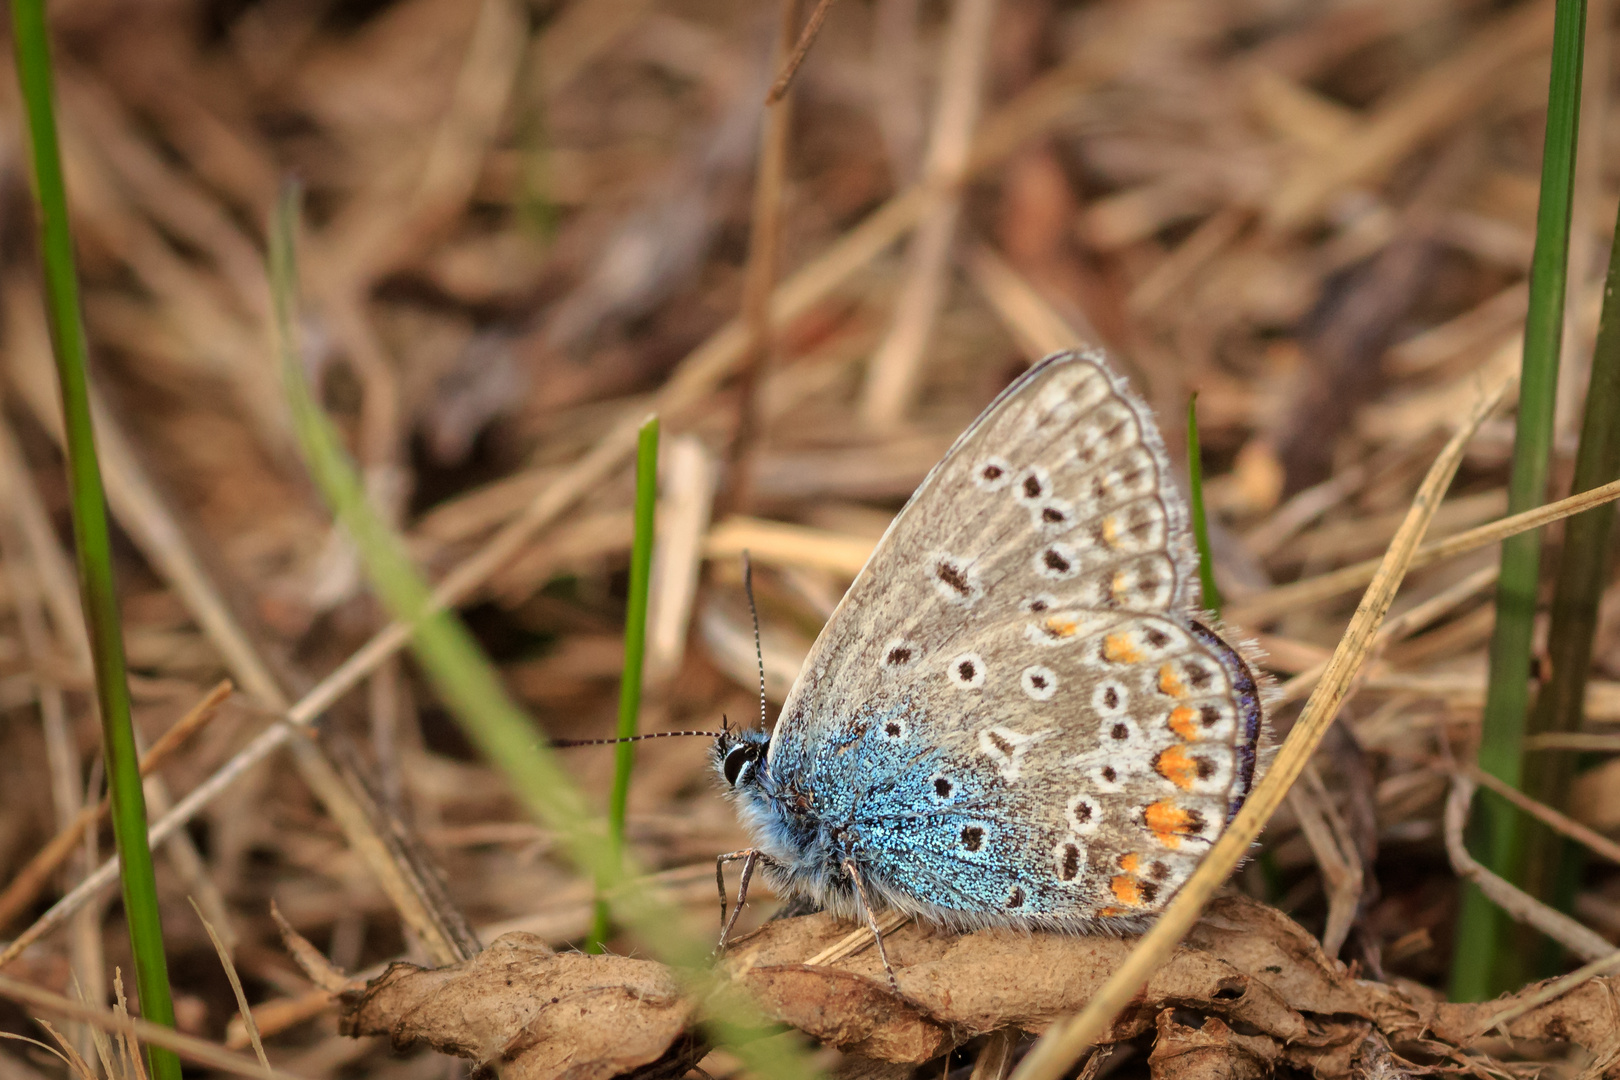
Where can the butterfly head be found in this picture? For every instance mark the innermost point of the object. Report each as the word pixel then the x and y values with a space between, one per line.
pixel 738 756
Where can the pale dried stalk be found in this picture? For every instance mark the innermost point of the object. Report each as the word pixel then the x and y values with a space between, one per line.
pixel 688 475
pixel 1555 989
pixel 1596 741
pixel 1406 623
pixel 857 939
pixel 790 66
pixel 892 377
pixel 1270 604
pixel 1063 1044
pixel 187 1046
pixel 1589 838
pixel 1033 322
pixel 1336 855
pixel 36 873
pixel 17 494
pixel 764 246
pixel 780 544
pixel 1519 905
pixel 57 579
pixel 995 1060
pixel 245 1014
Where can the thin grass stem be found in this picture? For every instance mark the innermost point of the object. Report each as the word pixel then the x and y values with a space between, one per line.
pixel 92 539
pixel 1583 573
pixel 1211 597
pixel 1485 958
pixel 635 651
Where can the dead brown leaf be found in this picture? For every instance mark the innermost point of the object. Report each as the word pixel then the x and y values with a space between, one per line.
pixel 1248 990
pixel 534 1012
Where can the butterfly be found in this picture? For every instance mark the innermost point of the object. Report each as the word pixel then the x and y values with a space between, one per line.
pixel 1018 715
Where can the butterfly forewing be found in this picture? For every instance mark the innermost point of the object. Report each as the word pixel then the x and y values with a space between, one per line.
pixel 1031 723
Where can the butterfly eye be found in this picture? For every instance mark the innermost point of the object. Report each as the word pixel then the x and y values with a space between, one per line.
pixel 737 760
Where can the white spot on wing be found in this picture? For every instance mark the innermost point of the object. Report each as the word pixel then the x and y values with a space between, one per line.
pixel 1109 778
pixel 955 579
pixel 1007 748
pixel 899 654
pixel 1069 860
pixel 1084 815
pixel 966 671
pixel 1039 682
pixel 1057 561
pixel 1034 485
pixel 992 474
pixel 1110 698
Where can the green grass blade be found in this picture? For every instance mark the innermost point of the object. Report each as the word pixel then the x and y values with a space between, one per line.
pixel 1485 958
pixel 1583 575
pixel 635 650
pixel 472 689
pixel 1195 499
pixel 92 540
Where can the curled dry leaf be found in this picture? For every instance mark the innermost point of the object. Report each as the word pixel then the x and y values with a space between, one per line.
pixel 1248 990
pixel 1208 1051
pixel 534 1012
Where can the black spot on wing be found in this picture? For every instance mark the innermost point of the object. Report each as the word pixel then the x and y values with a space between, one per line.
pixel 953 576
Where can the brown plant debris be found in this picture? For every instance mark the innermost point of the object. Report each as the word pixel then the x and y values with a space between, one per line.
pixel 1250 990
pixel 535 1012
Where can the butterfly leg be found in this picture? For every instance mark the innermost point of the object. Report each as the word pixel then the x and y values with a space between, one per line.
pixel 750 858
pixel 871 924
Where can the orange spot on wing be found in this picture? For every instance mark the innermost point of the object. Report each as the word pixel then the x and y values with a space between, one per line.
pixel 1110 531
pixel 1111 912
pixel 1170 683
pixel 1176 766
pixel 1060 627
pixel 1130 863
pixel 1183 721
pixel 1120 649
pixel 1120 585
pixel 1168 822
pixel 1126 890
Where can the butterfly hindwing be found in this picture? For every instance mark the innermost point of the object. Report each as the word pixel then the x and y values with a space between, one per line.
pixel 1078 780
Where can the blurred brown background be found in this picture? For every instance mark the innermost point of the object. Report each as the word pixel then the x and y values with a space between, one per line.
pixel 530 223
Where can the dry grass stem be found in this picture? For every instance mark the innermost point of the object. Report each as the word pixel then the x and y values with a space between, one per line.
pixel 789 67
pixel 192 1049
pixel 892 374
pixel 1034 323
pixel 1263 607
pixel 26 884
pixel 1519 905
pixel 244 1012
pixel 1591 839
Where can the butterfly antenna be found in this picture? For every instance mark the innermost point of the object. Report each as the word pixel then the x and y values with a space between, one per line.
pixel 759 653
pixel 562 744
